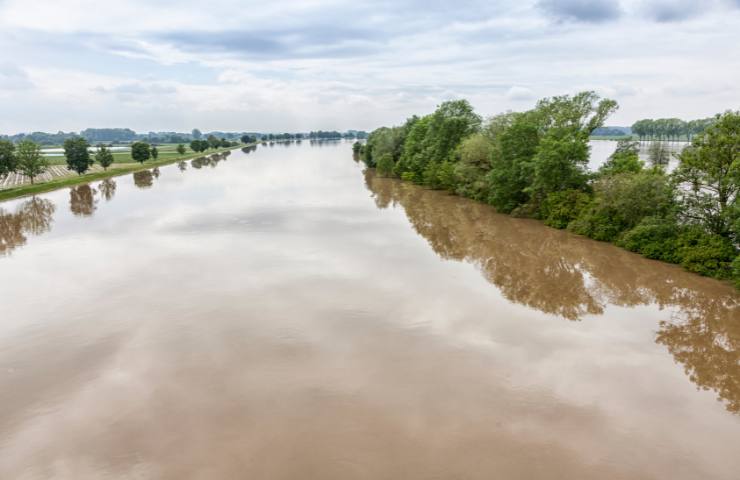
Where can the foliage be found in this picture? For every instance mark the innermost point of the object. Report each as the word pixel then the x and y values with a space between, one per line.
pixel 624 159
pixel 140 151
pixel 8 160
pixel 199 145
pixel 30 162
pixel 181 149
pixel 104 157
pixel 705 253
pixel 709 175
pixel 76 150
pixel 154 152
pixel 561 208
pixel 653 237
pixel 474 163
pixel 535 163
pixel 385 165
pixel 621 202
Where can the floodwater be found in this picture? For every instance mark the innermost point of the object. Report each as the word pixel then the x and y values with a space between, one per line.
pixel 282 314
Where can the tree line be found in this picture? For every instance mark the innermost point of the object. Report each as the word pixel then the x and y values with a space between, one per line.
pixel 534 164
pixel 26 157
pixel 670 129
pixel 126 136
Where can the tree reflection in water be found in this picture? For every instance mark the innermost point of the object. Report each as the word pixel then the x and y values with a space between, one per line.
pixel 107 189
pixel 31 217
pixel 182 165
pixel 559 273
pixel 82 201
pixel 143 179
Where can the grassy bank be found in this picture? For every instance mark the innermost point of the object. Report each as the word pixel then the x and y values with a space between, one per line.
pixel 117 169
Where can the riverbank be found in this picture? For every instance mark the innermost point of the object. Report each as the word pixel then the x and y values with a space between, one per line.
pixel 115 170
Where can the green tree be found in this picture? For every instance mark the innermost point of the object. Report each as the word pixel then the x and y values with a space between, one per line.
pixel 196 134
pixel 104 157
pixel 181 149
pixel 30 161
pixel 8 160
pixel 473 166
pixel 709 175
pixel 516 137
pixel 623 200
pixel 76 150
pixel 385 165
pixel 213 141
pixel 140 152
pixel 624 159
pixel 562 154
pixel 154 152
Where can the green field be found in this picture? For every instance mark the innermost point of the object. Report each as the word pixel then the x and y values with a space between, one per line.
pixel 166 152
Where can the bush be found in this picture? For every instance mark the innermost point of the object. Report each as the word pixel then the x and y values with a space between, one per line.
pixel 408 177
pixel 622 201
pixel 706 253
pixel 736 271
pixel 561 208
pixel 654 238
pixel 385 165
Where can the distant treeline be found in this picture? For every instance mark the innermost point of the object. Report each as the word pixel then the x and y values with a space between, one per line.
pixel 535 164
pixel 611 132
pixel 666 129
pixel 126 135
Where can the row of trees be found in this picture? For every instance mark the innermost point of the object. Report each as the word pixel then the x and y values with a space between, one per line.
pixel 534 164
pixel 673 129
pixel 26 157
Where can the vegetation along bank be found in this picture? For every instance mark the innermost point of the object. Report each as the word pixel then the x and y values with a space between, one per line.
pixel 534 164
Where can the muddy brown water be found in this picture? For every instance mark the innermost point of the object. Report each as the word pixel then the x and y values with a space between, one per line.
pixel 283 314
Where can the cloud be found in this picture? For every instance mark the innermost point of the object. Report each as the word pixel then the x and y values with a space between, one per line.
pixel 520 93
pixel 666 11
pixel 590 11
pixel 13 78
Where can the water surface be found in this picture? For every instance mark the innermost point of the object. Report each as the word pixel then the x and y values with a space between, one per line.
pixel 283 314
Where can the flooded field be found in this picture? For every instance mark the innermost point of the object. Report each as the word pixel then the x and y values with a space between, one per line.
pixel 281 313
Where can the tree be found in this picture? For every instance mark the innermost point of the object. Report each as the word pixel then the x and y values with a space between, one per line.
pixel 622 201
pixel 562 154
pixel 624 159
pixel 104 157
pixel 78 155
pixel 140 151
pixel 8 160
pixel 154 153
pixel 181 149
pixel 659 155
pixel 709 175
pixel 213 141
pixel 196 134
pixel 473 165
pixel 30 161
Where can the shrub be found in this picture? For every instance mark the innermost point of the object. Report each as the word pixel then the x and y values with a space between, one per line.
pixel 654 238
pixel 385 165
pixel 706 253
pixel 561 208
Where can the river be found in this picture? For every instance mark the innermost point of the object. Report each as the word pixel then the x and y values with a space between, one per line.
pixel 282 314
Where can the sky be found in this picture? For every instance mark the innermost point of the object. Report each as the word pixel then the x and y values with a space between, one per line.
pixel 235 65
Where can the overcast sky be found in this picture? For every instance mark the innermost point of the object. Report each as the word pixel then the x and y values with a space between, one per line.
pixel 334 64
